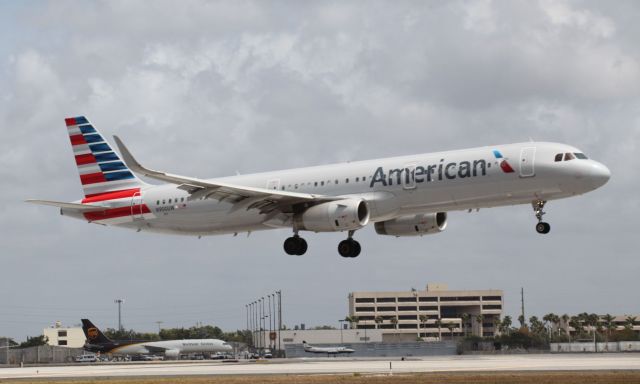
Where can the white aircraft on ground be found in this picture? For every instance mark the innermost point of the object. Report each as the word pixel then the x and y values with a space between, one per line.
pixel 403 196
pixel 327 350
pixel 99 343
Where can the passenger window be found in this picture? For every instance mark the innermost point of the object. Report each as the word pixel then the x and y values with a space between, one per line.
pixel 296 186
pixel 315 184
pixel 357 179
pixel 568 156
pixel 158 202
pixel 346 180
pixel 322 183
pixel 164 202
pixel 559 157
pixel 364 178
pixel 283 187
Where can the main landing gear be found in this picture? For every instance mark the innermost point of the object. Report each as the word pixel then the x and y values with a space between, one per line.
pixel 541 227
pixel 349 247
pixel 295 245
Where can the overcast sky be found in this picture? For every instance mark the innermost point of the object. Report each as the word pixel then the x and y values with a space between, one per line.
pixel 213 88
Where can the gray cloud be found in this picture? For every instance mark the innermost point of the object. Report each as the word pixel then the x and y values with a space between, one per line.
pixel 211 88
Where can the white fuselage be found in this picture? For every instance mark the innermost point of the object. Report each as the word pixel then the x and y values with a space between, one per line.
pixel 174 347
pixel 392 187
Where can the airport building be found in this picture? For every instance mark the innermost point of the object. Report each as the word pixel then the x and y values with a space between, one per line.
pixel 435 313
pixel 59 336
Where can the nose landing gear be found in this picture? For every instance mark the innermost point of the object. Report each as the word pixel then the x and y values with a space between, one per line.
pixel 349 247
pixel 542 227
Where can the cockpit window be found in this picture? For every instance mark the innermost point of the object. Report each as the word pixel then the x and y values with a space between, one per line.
pixel 559 157
pixel 581 156
pixel 569 156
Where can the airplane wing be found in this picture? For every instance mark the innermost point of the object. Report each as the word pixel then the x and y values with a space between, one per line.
pixel 154 349
pixel 266 200
pixel 70 206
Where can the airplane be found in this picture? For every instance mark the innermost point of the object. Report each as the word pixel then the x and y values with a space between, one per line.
pixel 402 196
pixel 327 350
pixel 97 342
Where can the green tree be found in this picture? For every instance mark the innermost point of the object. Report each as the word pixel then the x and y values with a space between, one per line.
pixel 35 341
pixel 378 320
pixel 537 327
pixel 522 321
pixel 630 321
pixel 609 324
pixel 451 326
pixel 352 320
pixel 394 321
pixel 465 317
pixel 506 325
pixel 479 320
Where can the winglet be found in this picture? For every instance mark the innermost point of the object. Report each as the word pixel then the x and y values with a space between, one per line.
pixel 128 158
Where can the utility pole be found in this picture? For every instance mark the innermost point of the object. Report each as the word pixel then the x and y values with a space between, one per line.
pixel 119 302
pixel 159 322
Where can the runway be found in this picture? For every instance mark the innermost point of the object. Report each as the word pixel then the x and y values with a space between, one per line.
pixel 577 362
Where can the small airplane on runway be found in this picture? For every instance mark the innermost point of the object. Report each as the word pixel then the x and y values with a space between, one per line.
pixel 402 196
pixel 327 350
pixel 98 342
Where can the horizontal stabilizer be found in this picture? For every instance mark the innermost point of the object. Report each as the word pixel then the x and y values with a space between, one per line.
pixel 70 206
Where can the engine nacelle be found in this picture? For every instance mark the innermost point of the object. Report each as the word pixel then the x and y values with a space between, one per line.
pixel 172 353
pixel 340 215
pixel 413 225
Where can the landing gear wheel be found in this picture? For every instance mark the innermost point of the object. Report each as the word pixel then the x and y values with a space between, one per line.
pixel 349 248
pixel 543 227
pixel 295 245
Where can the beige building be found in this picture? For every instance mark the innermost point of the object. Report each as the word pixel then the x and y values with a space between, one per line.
pixel 435 313
pixel 57 335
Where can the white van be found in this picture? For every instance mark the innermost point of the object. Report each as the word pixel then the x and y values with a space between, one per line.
pixel 87 358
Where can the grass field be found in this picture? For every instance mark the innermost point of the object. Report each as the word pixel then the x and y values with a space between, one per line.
pixel 614 377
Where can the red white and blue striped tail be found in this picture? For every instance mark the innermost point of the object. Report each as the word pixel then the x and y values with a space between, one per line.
pixel 101 170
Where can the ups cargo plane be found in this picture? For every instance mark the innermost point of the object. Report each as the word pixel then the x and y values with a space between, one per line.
pixel 99 343
pixel 402 196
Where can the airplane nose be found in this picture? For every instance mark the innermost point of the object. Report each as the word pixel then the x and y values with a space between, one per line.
pixel 599 174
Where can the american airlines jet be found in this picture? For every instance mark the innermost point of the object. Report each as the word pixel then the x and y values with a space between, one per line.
pixel 402 196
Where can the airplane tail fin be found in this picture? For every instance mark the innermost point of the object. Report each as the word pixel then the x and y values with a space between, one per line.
pixel 100 168
pixel 93 333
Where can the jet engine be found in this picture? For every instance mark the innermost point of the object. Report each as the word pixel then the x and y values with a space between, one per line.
pixel 413 225
pixel 172 353
pixel 340 215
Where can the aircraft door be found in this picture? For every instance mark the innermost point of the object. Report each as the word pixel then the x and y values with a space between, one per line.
pixel 136 206
pixel 273 184
pixel 409 176
pixel 527 159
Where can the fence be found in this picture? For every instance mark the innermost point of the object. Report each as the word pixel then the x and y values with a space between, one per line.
pixel 619 346
pixel 45 354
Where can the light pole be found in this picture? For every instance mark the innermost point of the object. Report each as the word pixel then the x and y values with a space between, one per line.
pixel 341 327
pixel 279 317
pixel 159 322
pixel 119 302
pixel 417 296
pixel 269 317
